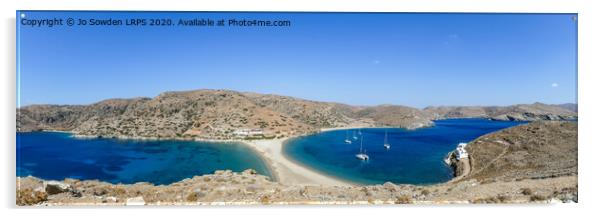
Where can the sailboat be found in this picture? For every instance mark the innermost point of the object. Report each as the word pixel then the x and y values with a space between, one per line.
pixel 386 145
pixel 354 136
pixel 347 137
pixel 362 155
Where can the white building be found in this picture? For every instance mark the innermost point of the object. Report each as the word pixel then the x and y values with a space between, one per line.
pixel 461 151
pixel 248 132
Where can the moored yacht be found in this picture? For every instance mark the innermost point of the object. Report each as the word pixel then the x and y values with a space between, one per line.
pixel 347 137
pixel 362 154
pixel 386 145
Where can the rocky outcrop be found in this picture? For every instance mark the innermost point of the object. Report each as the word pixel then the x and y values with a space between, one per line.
pixel 532 117
pixel 54 187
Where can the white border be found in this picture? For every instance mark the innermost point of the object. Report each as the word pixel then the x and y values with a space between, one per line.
pixel 589 101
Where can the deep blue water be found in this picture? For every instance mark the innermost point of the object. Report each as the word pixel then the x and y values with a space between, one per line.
pixel 51 155
pixel 415 156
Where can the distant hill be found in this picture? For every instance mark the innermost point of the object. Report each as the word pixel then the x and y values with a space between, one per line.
pixel 569 106
pixel 520 112
pixel 223 114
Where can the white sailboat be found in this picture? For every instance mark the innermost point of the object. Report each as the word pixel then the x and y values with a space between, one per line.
pixel 386 145
pixel 354 136
pixel 347 137
pixel 362 155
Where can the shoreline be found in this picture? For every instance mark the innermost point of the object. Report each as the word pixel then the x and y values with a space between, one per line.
pixel 290 171
pixel 282 168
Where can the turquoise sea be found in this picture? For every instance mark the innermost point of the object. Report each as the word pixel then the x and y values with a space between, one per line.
pixel 414 157
pixel 51 155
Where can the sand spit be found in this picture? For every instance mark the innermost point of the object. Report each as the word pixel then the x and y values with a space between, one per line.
pixel 288 171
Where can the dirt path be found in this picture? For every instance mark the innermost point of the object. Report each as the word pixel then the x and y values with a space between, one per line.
pixel 506 147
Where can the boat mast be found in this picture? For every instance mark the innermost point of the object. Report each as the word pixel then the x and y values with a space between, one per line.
pixel 361 144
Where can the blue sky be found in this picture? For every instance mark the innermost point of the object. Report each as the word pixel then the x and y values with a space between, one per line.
pixel 355 58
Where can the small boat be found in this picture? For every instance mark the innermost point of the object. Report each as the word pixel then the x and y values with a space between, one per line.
pixel 386 145
pixel 362 155
pixel 347 141
pixel 354 136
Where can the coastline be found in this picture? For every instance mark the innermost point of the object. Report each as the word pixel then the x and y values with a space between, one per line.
pixel 289 171
pixel 282 169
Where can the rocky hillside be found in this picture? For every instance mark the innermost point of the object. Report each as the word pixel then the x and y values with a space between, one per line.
pixel 208 114
pixel 521 112
pixel 537 150
pixel 224 114
pixel 316 114
pixel 397 116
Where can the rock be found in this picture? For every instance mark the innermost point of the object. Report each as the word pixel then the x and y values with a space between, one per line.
pixel 390 186
pixel 250 171
pixel 135 201
pixel 99 191
pixel 76 193
pixel 55 187
pixel 500 118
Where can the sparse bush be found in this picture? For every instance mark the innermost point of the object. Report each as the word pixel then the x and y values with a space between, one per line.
pixel 119 191
pixel 496 199
pixel 503 198
pixel 527 191
pixel 403 199
pixel 537 197
pixel 192 197
pixel 265 199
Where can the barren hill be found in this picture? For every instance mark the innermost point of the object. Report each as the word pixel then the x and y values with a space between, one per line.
pixel 225 114
pixel 520 112
pixel 532 151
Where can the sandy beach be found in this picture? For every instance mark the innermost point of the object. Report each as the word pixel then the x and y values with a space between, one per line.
pixel 288 171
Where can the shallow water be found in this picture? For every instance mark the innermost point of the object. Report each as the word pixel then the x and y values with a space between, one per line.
pixel 415 156
pixel 51 155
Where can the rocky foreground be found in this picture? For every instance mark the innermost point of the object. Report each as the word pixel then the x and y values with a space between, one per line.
pixel 220 114
pixel 536 162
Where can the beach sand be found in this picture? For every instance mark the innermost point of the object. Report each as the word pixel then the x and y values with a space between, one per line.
pixel 290 172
